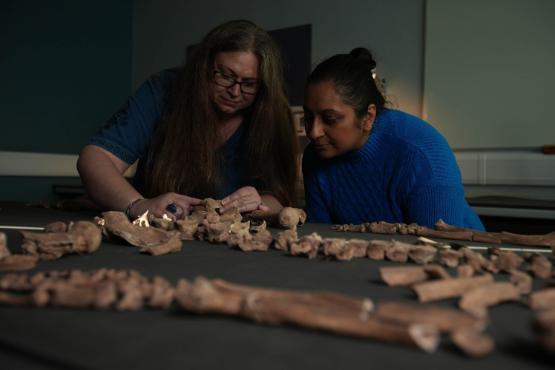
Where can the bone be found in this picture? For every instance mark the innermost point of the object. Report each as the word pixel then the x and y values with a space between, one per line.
pixel 81 237
pixel 338 314
pixel 264 309
pixel 431 233
pixel 401 276
pixel 99 289
pixel 472 342
pixel 284 238
pixel 547 240
pixel 477 236
pixel 450 257
pixel 308 245
pixel 147 238
pixel 359 247
pixel 262 236
pixel 11 299
pixel 436 271
pixel 476 301
pixel 377 248
pixel 187 227
pixel 445 319
pixel 383 227
pixel 164 222
pixel 422 254
pixel 398 252
pixel 18 262
pixel 541 267
pixel 465 271
pixel 352 228
pixel 290 218
pixel 337 248
pixel 210 204
pixel 449 288
pixel 522 281
pixel 56 227
pixel 507 260
pixel 171 245
pixel 142 220
pixel 543 299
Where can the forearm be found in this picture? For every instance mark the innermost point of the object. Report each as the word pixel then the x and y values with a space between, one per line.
pixel 104 181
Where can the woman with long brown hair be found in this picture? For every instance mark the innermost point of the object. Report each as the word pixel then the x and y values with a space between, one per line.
pixel 219 126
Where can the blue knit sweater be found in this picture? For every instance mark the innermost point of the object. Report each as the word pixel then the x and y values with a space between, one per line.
pixel 405 172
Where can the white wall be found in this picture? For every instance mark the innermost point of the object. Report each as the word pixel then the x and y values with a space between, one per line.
pixel 393 30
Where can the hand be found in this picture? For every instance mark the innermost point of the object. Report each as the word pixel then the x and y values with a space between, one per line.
pixel 157 206
pixel 245 199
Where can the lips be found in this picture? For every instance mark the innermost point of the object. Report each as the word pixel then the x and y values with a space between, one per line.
pixel 321 146
pixel 228 102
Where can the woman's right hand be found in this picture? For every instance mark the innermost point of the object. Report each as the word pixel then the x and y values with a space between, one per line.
pixel 157 206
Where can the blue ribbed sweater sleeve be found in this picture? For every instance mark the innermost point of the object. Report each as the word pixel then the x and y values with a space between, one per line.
pixel 406 172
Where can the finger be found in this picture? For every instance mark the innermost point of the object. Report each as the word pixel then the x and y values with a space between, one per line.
pixel 191 200
pixel 230 198
pixel 263 207
pixel 248 206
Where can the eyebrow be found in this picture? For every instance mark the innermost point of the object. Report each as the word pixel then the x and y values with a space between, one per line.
pixel 232 72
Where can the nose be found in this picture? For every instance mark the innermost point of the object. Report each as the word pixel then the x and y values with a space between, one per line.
pixel 235 89
pixel 314 129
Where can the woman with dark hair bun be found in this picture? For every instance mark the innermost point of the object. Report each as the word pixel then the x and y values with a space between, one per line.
pixel 368 163
pixel 217 126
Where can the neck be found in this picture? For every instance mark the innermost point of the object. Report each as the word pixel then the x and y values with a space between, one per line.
pixel 229 124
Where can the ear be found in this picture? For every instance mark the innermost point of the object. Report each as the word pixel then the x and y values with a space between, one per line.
pixel 368 120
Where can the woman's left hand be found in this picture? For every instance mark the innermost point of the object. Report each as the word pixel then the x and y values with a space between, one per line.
pixel 245 199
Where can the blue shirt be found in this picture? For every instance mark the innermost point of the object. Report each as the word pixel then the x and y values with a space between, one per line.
pixel 128 134
pixel 405 172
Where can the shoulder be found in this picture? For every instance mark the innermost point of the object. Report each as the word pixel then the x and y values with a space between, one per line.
pixel 421 141
pixel 411 131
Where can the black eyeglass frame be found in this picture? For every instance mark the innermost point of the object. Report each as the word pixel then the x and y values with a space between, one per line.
pixel 228 81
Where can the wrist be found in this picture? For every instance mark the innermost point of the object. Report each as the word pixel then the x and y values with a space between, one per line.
pixel 129 208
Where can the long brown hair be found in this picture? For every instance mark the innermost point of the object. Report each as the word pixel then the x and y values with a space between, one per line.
pixel 184 151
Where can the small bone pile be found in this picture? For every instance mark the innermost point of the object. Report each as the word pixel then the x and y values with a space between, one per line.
pixel 474 285
pixel 206 222
pixel 57 240
pixel 99 289
pixel 446 231
pixel 155 241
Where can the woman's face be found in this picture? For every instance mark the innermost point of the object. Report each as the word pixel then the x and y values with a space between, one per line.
pixel 234 81
pixel 330 124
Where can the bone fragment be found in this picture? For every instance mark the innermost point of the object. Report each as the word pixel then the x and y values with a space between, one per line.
pixel 476 301
pixel 473 343
pixel 377 248
pixel 522 281
pixel 445 319
pixel 449 288
pixel 290 218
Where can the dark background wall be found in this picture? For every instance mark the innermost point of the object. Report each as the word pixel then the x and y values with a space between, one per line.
pixel 65 66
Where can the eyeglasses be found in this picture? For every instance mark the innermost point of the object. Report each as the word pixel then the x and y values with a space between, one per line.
pixel 225 80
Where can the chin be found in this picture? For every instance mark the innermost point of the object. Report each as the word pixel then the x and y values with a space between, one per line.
pixel 326 154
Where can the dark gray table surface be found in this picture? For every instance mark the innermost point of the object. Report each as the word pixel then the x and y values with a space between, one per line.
pixel 63 338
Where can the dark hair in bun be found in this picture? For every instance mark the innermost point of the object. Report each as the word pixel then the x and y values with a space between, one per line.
pixel 352 76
